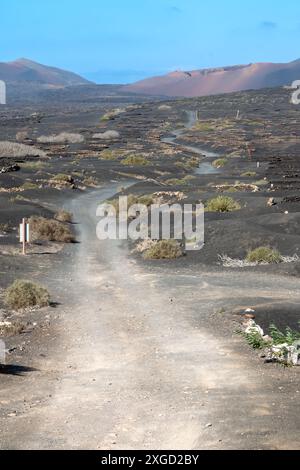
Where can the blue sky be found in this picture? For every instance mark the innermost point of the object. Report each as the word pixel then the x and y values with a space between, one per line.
pixel 124 40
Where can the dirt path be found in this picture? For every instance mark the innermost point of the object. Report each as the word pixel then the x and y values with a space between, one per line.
pixel 136 366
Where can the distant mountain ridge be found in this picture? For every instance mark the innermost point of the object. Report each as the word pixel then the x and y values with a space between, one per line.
pixel 24 70
pixel 219 80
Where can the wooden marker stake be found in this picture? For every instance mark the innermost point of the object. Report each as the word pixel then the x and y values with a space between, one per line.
pixel 24 236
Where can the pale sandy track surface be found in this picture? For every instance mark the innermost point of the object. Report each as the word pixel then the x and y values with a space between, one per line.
pixel 137 365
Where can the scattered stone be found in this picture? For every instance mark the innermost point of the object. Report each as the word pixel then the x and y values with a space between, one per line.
pixel 271 202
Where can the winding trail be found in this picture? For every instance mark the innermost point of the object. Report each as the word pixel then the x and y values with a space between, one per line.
pixel 139 364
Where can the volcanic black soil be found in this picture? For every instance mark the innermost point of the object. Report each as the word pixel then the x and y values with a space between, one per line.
pixel 256 133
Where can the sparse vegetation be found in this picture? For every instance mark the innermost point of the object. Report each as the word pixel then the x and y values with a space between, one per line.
pixel 62 138
pixel 8 328
pixel 18 198
pixel 163 249
pixel 261 182
pixel 255 337
pixel 63 216
pixel 146 200
pixel 135 160
pixel 50 230
pixel 237 187
pixel 33 165
pixel 256 340
pixel 5 228
pixel 16 150
pixel 62 178
pixel 287 336
pixel 180 181
pixel 108 154
pixel 220 163
pixel 264 254
pixel 28 186
pixel 110 115
pixel 204 126
pixel 90 181
pixel 188 164
pixel 222 204
pixel 108 135
pixel 23 294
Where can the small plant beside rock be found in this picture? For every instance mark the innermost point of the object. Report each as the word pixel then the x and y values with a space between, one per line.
pixel 279 346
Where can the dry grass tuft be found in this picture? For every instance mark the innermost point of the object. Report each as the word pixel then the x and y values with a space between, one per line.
pixel 15 150
pixel 63 216
pixel 222 204
pixel 264 254
pixel 24 294
pixel 50 230
pixel 62 138
pixel 164 249
pixel 108 135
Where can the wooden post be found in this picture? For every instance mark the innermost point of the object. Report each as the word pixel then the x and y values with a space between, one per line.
pixel 24 236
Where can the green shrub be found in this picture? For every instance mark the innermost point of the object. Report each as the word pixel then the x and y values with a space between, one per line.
pixel 204 126
pixel 255 340
pixel 108 154
pixel 289 336
pixel 180 181
pixel 23 294
pixel 188 164
pixel 264 254
pixel 222 204
pixel 112 114
pixel 28 186
pixel 135 160
pixel 220 162
pixel 164 249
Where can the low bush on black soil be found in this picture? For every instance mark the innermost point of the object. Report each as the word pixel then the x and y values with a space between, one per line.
pixel 135 160
pixel 24 294
pixel 50 229
pixel 220 162
pixel 264 254
pixel 164 249
pixel 222 204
